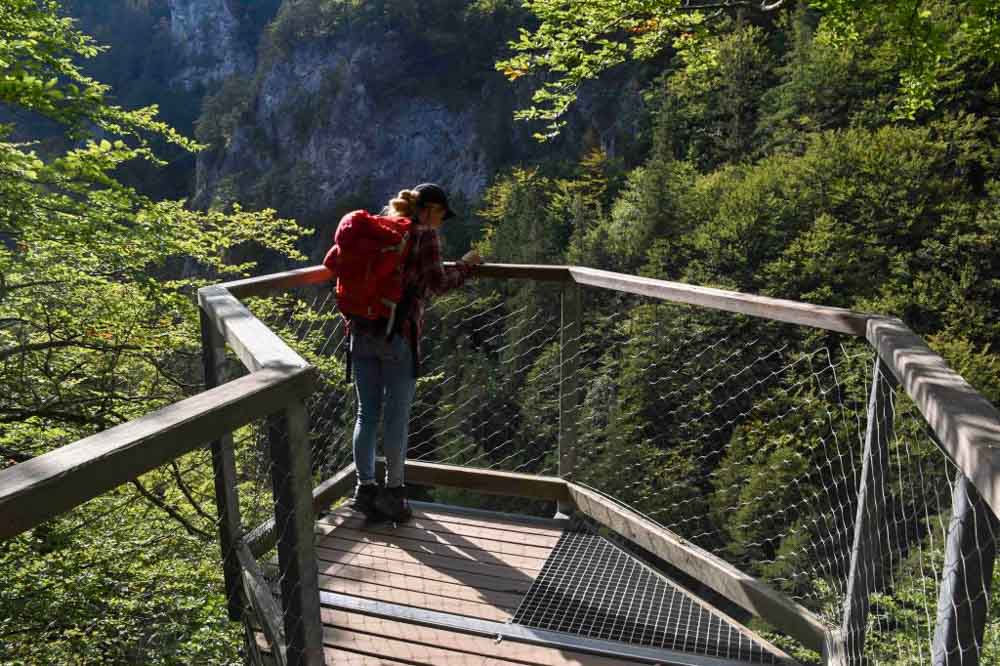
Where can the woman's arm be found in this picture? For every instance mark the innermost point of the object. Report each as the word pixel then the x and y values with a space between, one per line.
pixel 435 276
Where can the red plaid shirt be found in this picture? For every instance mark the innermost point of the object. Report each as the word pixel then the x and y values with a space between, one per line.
pixel 424 276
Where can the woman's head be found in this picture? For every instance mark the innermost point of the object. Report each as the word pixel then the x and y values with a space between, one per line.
pixel 427 203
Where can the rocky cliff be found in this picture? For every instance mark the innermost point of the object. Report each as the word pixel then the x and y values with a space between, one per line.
pixel 208 36
pixel 349 117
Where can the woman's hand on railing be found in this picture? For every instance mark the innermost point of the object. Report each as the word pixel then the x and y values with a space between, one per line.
pixel 472 257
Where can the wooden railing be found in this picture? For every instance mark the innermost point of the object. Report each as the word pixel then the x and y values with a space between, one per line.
pixel 965 425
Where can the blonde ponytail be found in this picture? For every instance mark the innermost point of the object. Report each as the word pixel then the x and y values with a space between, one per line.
pixel 404 205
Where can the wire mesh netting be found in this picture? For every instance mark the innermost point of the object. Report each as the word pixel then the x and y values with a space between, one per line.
pixel 918 509
pixel 487 352
pixel 747 438
pixel 744 436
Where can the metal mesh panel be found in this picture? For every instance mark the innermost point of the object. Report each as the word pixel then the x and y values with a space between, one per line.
pixel 590 587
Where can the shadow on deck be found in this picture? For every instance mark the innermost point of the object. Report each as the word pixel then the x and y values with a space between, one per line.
pixel 461 586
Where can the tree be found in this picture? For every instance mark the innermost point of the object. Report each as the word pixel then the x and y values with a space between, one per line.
pixel 97 322
pixel 576 41
pixel 98 326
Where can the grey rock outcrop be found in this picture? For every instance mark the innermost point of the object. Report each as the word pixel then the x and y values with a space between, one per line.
pixel 330 124
pixel 207 35
pixel 344 123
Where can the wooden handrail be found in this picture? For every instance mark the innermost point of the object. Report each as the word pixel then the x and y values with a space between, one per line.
pixel 256 286
pixel 317 275
pixel 43 487
pixel 254 343
pixel 775 309
pixel 965 424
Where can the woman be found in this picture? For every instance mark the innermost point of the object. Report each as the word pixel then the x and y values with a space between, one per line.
pixel 385 370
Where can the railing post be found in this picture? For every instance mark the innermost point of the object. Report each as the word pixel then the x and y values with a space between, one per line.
pixel 213 349
pixel 964 597
pixel 866 555
pixel 569 354
pixel 291 477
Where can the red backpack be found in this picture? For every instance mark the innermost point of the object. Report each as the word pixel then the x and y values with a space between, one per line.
pixel 367 259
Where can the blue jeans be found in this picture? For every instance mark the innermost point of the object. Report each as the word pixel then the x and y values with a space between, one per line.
pixel 383 375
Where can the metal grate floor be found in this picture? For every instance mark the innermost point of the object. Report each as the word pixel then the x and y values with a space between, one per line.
pixel 591 587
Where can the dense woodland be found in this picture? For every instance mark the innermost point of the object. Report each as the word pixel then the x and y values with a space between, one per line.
pixel 823 152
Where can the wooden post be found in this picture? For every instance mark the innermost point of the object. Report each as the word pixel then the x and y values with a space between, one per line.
pixel 569 353
pixel 964 597
pixel 291 476
pixel 227 504
pixel 866 554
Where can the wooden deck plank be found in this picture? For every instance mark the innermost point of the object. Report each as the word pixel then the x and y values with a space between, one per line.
pixel 409 643
pixel 529 565
pixel 416 569
pixel 333 549
pixel 449 514
pixel 336 657
pixel 413 599
pixel 476 647
pixel 450 590
pixel 499 532
pixel 403 651
pixel 470 544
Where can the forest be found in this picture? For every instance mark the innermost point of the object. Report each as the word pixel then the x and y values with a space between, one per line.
pixel 830 152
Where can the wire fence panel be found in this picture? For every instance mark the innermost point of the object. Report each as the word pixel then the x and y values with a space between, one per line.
pixel 489 396
pixel 488 385
pixel 748 437
pixel 910 618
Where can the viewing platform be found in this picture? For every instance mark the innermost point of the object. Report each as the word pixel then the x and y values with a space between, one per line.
pixel 613 469
pixel 461 586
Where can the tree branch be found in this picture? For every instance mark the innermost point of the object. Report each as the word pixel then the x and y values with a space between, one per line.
pixel 172 512
pixel 187 492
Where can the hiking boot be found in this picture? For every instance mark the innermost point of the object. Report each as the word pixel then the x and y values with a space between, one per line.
pixel 392 504
pixel 364 501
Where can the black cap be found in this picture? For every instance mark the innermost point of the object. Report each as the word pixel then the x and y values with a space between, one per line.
pixel 431 193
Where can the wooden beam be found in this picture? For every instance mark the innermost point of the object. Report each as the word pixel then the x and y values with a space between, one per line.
pixel 46 486
pixel 867 560
pixel 966 578
pixel 261 600
pixel 746 591
pixel 966 425
pixel 775 309
pixel 487 481
pixel 263 537
pixel 227 502
pixel 256 345
pixel 293 515
pixel 535 272
pixel 318 275
pixel 570 332
pixel 300 277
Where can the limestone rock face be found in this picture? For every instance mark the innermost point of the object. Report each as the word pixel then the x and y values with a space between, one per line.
pixel 326 125
pixel 332 124
pixel 207 34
